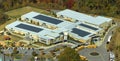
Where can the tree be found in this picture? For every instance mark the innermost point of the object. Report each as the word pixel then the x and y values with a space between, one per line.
pixel 48 56
pixel 34 53
pixel 68 3
pixel 69 54
pixel 41 56
pixel 6 37
pixel 15 51
pixel 3 18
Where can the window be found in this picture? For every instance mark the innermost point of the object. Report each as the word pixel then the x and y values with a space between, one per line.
pixel 43 41
pixel 43 24
pixel 51 41
pixel 11 29
pixel 26 19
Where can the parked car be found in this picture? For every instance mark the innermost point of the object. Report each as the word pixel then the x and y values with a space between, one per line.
pixel 112 56
pixel 109 38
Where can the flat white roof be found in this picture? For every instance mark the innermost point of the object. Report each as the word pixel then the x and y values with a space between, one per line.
pixel 52 34
pixel 45 33
pixel 80 34
pixel 32 14
pixel 84 17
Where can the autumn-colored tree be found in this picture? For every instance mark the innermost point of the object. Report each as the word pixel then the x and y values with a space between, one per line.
pixel 15 51
pixel 69 3
pixel 34 53
pixel 108 7
pixel 6 37
pixel 3 18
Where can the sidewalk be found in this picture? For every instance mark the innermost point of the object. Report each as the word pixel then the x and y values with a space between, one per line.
pixel 47 47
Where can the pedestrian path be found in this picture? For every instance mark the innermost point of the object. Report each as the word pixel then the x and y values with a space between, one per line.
pixel 47 47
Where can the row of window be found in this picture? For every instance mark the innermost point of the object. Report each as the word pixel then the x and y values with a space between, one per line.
pixel 41 24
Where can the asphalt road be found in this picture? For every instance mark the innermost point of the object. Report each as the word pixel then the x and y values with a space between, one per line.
pixel 103 54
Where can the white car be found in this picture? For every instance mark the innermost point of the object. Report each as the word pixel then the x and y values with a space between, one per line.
pixel 112 56
pixel 109 38
pixel 112 59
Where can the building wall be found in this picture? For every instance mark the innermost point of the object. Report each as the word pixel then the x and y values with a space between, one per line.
pixel 16 32
pixel 66 18
pixel 35 37
pixel 22 18
pixel 51 41
pixel 78 39
pixel 100 33
pixel 42 40
pixel 105 25
pixel 39 23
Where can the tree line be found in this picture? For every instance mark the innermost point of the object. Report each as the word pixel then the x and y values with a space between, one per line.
pixel 99 7
pixel 3 18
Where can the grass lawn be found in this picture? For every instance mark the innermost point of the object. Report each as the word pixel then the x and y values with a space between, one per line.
pixel 40 44
pixel 1 38
pixel 13 38
pixel 20 11
pixel 32 46
pixel 2 26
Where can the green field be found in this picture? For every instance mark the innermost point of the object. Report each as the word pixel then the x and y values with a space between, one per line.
pixel 20 11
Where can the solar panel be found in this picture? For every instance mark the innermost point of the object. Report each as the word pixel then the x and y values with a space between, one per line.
pixel 87 26
pixel 80 32
pixel 48 19
pixel 28 27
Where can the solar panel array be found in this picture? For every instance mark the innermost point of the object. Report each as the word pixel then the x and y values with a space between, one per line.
pixel 28 27
pixel 48 19
pixel 87 26
pixel 80 32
